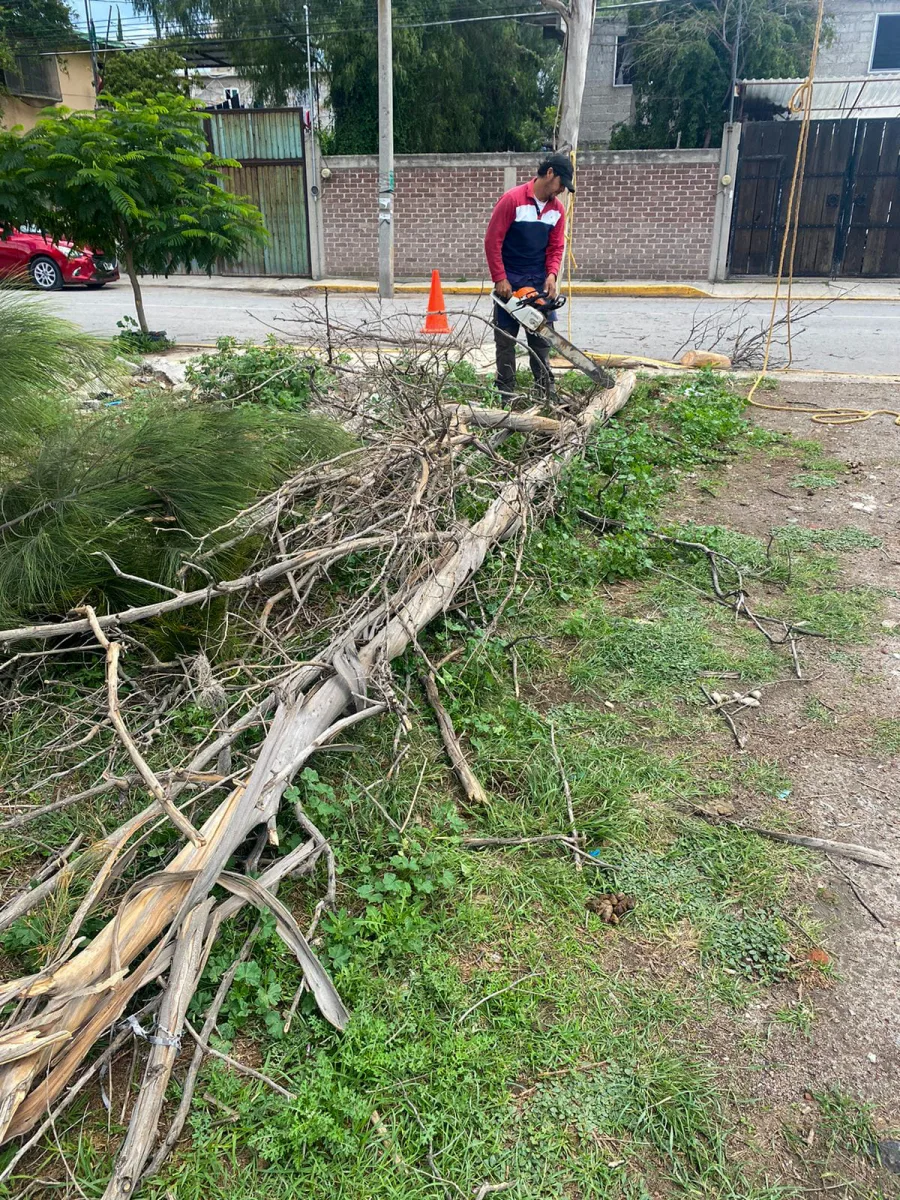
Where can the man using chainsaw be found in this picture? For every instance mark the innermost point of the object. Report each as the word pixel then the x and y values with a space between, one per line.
pixel 524 246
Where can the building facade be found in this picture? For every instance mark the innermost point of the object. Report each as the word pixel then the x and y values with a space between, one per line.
pixel 40 80
pixel 608 94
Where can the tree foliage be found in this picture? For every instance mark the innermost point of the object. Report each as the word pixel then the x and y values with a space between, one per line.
pixel 478 86
pixel 145 73
pixel 682 63
pixel 137 482
pixel 137 176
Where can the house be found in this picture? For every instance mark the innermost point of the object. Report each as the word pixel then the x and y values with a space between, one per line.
pixel 42 78
pixel 858 72
pixel 608 94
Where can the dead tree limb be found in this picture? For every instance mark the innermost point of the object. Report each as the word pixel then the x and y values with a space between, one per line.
pixel 861 854
pixel 113 649
pixel 163 1051
pixel 468 779
pixel 143 612
pixel 497 418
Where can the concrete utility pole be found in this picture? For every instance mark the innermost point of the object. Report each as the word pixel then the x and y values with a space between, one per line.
pixel 385 152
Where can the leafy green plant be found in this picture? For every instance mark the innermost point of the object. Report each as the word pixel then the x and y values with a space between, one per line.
pixel 132 338
pixel 754 946
pixel 273 374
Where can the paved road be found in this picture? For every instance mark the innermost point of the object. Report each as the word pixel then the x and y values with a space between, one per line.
pixel 858 337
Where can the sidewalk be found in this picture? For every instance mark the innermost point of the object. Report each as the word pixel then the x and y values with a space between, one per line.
pixel 733 291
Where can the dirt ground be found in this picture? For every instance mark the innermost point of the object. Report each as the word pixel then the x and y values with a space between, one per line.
pixel 843 787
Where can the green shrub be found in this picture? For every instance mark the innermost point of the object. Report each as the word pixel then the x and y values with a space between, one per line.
pixel 273 374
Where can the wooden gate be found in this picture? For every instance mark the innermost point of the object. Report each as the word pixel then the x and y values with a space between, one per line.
pixel 850 203
pixel 268 143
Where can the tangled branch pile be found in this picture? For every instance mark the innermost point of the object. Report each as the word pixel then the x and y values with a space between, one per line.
pixel 342 565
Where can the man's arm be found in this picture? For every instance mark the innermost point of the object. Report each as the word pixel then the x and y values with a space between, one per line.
pixel 501 218
pixel 555 248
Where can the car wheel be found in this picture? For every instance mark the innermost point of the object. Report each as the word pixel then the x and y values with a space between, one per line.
pixel 45 274
pixel 94 286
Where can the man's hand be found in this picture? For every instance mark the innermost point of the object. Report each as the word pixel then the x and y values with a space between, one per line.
pixel 503 289
pixel 550 287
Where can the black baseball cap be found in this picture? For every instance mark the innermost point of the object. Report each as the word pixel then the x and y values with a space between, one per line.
pixel 561 165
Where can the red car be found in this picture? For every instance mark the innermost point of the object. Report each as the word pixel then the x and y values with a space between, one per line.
pixel 26 252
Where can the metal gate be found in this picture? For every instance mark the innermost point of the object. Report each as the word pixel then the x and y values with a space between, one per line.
pixel 850 203
pixel 268 143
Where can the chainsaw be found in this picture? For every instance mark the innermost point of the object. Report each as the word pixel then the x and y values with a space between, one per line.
pixel 531 309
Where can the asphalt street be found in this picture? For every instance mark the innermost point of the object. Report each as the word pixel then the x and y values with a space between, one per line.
pixel 857 337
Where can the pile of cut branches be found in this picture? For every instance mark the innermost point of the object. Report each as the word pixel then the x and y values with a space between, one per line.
pixel 346 562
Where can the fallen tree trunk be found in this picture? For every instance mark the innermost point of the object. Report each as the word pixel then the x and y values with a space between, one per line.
pixel 90 991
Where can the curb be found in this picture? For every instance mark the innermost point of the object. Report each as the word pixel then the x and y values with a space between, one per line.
pixel 677 291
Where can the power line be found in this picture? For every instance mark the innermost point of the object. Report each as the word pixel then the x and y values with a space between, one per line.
pixel 210 34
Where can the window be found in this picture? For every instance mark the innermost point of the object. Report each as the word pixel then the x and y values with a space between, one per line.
pixel 886 46
pixel 623 70
pixel 233 97
pixel 33 77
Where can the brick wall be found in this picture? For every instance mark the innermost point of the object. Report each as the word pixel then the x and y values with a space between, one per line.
pixel 644 214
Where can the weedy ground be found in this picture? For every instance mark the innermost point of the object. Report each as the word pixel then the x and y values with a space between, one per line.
pixel 734 1036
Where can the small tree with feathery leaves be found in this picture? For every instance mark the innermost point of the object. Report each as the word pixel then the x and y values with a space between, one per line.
pixel 136 176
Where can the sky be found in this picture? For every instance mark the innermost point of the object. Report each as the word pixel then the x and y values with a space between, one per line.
pixel 104 14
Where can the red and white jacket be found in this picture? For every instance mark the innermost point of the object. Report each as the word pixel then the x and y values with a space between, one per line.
pixel 522 243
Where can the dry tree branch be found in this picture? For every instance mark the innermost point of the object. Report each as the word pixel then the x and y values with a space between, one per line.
pixel 469 781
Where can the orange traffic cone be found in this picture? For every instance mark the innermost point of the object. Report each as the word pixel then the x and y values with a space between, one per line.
pixel 436 317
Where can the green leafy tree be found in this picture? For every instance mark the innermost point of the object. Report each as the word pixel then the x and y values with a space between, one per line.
pixel 485 85
pixel 136 176
pixel 682 63
pixel 145 73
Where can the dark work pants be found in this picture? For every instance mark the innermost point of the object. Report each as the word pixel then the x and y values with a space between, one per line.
pixel 506 331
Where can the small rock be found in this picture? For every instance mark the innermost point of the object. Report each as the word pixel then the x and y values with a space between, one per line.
pixel 889 1153
pixel 608 704
pixel 889 624
pixel 873 1058
pixel 131 367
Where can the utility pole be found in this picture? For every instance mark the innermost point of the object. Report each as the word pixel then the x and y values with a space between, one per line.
pixel 385 152
pixel 92 41
pixel 735 56
pixel 309 74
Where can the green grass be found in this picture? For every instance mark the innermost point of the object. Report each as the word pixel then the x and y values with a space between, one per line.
pixel 887 735
pixel 847 539
pixel 814 480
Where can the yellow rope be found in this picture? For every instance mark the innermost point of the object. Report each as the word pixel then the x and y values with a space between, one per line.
pixel 802 101
pixel 571 264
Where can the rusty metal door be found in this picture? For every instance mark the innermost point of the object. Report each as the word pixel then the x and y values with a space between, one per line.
pixel 849 221
pixel 268 143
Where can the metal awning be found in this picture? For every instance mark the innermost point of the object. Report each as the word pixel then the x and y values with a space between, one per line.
pixel 862 96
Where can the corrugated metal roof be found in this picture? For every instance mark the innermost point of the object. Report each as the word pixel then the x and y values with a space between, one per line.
pixel 864 96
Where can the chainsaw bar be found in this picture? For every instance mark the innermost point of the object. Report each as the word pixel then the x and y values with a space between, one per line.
pixel 527 311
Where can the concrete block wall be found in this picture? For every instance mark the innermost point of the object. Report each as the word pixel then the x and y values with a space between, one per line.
pixel 643 214
pixel 853 23
pixel 604 105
